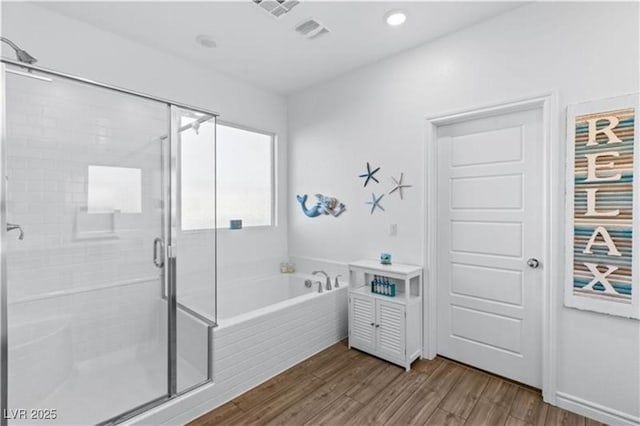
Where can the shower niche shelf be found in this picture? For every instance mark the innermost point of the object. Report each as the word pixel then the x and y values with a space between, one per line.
pixel 94 226
pixel 389 327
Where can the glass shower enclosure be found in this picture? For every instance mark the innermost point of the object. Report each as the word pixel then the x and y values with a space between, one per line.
pixel 99 273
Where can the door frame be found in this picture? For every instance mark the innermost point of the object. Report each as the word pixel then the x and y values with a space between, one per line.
pixel 552 253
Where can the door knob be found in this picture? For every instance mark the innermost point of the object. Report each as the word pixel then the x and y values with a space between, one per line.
pixel 533 263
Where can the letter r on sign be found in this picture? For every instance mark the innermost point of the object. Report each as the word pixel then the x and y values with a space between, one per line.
pixel 607 130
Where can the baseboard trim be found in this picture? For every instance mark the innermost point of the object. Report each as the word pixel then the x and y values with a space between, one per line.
pixel 595 411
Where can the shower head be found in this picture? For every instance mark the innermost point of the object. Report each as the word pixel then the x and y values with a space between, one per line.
pixel 22 55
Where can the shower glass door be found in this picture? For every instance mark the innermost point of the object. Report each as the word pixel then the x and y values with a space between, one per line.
pixel 86 197
pixel 193 238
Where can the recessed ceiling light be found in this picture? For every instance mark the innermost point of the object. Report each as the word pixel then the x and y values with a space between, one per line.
pixel 206 41
pixel 395 18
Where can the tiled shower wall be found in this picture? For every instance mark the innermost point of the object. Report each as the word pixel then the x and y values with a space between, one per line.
pixel 93 270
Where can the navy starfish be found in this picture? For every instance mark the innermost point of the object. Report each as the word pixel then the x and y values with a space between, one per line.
pixel 369 175
pixel 375 202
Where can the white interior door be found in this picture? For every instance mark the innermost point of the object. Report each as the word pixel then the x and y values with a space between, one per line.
pixel 490 211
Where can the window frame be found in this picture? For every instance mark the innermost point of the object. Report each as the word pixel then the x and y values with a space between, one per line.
pixel 273 136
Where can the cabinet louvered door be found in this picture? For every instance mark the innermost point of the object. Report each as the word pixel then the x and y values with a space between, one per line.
pixel 390 328
pixel 362 323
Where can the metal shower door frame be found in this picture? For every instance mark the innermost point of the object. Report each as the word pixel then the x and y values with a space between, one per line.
pixel 169 180
pixel 4 346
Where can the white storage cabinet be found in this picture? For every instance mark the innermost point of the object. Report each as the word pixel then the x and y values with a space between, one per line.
pixel 387 327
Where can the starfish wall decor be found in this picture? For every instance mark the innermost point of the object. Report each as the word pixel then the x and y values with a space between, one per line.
pixel 369 175
pixel 399 185
pixel 375 202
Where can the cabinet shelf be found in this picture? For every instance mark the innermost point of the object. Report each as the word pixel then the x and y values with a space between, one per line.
pixel 399 298
pixel 408 278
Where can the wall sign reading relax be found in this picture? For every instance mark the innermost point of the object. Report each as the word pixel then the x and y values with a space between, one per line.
pixel 601 263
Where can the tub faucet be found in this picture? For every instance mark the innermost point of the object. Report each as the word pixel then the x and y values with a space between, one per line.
pixel 320 290
pixel 328 285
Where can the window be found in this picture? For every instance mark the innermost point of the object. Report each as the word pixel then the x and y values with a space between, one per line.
pixel 245 170
pixel 114 189
pixel 245 176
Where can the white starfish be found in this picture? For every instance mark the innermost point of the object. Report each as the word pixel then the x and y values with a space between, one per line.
pixel 399 185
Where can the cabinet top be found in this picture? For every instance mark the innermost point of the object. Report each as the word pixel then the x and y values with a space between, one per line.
pixel 397 268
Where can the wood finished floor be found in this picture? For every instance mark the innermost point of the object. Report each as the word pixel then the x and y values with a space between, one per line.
pixel 341 387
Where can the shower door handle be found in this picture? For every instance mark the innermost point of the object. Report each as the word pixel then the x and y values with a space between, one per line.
pixel 158 252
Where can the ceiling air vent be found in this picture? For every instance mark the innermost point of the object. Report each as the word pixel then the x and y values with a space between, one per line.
pixel 310 29
pixel 277 8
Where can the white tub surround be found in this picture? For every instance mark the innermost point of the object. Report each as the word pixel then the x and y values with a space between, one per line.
pixel 265 326
pixel 252 346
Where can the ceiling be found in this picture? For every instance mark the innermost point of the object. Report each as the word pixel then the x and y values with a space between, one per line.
pixel 265 51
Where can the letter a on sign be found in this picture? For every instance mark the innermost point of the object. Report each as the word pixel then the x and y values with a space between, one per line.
pixel 608 242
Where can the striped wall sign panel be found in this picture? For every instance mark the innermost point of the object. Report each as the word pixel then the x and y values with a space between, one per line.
pixel 600 199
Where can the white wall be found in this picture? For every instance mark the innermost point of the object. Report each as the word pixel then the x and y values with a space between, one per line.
pixel 583 50
pixel 67 45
